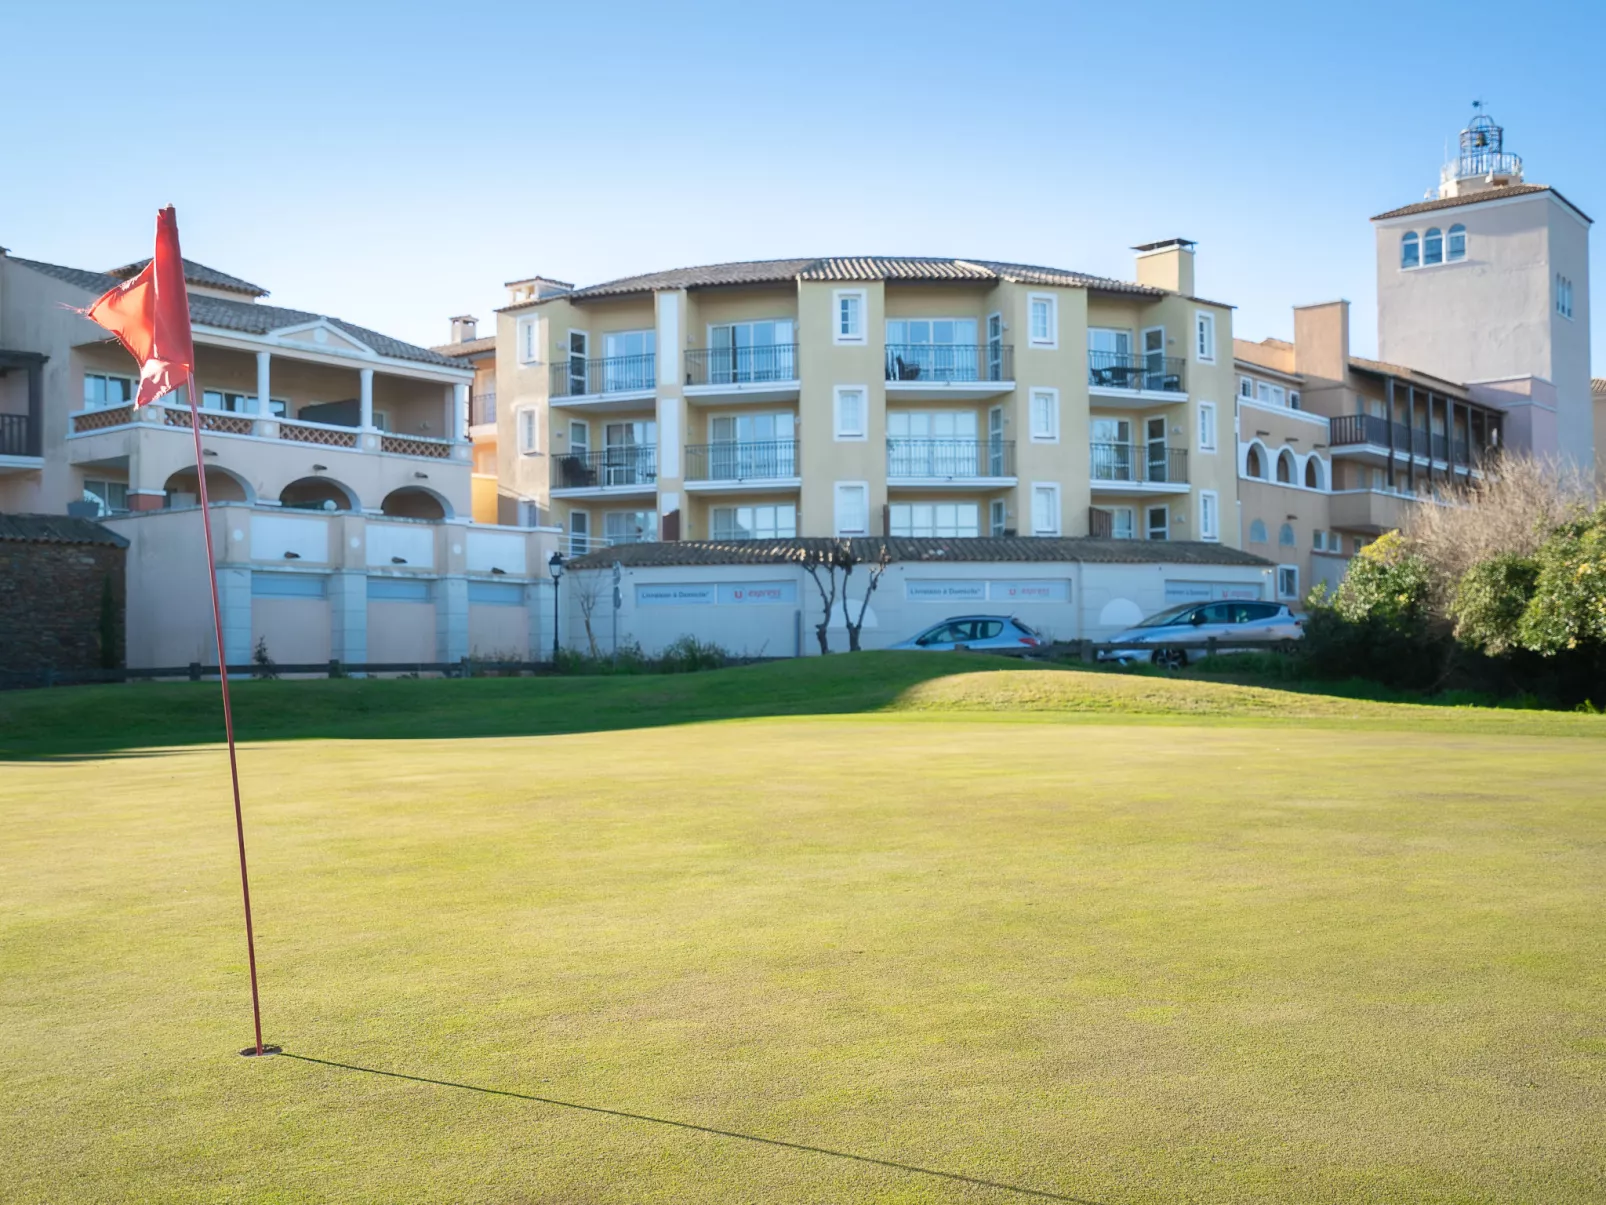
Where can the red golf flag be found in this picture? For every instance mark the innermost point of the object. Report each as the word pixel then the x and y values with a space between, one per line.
pixel 150 315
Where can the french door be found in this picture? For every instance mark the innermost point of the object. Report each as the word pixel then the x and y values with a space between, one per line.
pixel 1112 449
pixel 743 446
pixel 1154 433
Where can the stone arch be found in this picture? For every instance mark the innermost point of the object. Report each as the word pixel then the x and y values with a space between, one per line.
pixel 1287 471
pixel 1255 460
pixel 222 485
pixel 1315 473
pixel 319 493
pixel 416 502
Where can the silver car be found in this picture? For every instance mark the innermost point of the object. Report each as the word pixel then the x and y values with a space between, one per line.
pixel 985 632
pixel 1183 631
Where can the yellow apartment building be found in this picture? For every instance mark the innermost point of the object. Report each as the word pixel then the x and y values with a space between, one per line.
pixel 855 396
pixel 480 354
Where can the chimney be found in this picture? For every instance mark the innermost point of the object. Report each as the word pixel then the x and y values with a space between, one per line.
pixel 535 288
pixel 464 327
pixel 1167 265
pixel 1321 340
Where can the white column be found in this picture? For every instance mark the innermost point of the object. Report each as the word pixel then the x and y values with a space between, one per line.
pixel 459 412
pixel 264 389
pixel 366 421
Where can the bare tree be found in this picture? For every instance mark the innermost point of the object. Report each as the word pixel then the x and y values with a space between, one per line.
pixel 589 590
pixel 822 562
pixel 877 568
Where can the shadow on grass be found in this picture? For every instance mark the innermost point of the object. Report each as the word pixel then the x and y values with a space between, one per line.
pixel 912 1169
pixel 97 721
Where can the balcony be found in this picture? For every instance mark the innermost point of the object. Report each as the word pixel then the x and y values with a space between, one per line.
pixel 1139 469
pixel 267 427
pixel 1123 375
pixel 950 463
pixel 626 469
pixel 747 465
pixel 932 371
pixel 1368 510
pixel 1370 436
pixel 611 383
pixel 752 374
pixel 19 436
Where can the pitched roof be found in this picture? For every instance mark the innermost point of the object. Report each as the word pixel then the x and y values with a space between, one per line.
pixel 1597 386
pixel 249 317
pixel 1501 193
pixel 902 268
pixel 1385 369
pixel 469 347
pixel 56 529
pixel 924 549
pixel 197 274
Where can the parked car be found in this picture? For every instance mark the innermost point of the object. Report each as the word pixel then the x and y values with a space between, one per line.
pixel 1183 631
pixel 983 632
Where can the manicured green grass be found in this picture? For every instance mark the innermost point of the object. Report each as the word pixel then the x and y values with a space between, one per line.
pixel 1204 943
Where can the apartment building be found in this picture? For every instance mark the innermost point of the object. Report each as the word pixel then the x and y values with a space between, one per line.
pixel 855 396
pixel 467 346
pixel 336 460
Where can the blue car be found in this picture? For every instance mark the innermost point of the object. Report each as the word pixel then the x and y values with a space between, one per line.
pixel 984 632
pixel 1183 632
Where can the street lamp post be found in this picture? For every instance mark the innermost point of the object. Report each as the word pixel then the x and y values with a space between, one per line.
pixel 555 568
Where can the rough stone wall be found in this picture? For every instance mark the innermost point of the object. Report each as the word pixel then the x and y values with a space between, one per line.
pixel 51 604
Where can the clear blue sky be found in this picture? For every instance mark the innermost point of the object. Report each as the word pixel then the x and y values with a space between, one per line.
pixel 394 163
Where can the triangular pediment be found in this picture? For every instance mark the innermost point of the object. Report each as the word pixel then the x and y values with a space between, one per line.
pixel 325 335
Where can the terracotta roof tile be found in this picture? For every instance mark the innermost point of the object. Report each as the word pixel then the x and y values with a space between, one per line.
pixel 1478 198
pixel 197 274
pixel 56 529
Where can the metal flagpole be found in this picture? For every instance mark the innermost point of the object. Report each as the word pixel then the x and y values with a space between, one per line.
pixel 228 713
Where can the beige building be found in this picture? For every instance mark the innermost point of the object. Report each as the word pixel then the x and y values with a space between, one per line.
pixel 1487 283
pixel 869 396
pixel 480 354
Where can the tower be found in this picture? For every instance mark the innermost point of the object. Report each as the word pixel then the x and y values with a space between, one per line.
pixel 1487 284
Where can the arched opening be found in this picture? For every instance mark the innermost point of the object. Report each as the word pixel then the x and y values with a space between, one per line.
pixel 1457 247
pixel 1257 532
pixel 415 502
pixel 1410 250
pixel 1313 473
pixel 1285 536
pixel 1254 463
pixel 318 493
pixel 1285 467
pixel 1433 246
pixel 182 488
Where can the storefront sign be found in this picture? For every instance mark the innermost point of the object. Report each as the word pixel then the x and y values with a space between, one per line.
pixel 707 594
pixel 1177 593
pixel 747 594
pixel 696 594
pixel 1049 590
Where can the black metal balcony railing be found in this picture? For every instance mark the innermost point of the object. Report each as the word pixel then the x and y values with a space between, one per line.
pixel 612 374
pixel 606 468
pixel 732 460
pixel 741 365
pixel 950 362
pixel 1124 370
pixel 17 436
pixel 950 459
pixel 482 409
pixel 1349 430
pixel 1139 464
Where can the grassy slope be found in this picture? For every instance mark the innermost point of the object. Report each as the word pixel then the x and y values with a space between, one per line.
pixel 1235 962
pixel 99 719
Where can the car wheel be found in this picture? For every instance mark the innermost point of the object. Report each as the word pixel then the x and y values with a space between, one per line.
pixel 1169 658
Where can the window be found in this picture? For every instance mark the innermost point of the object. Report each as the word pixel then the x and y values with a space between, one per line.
pixel 849 324
pixel 1207 426
pixel 1285 467
pixel 1257 532
pixel 1433 246
pixel 1285 536
pixel 529 340
pixel 1288 581
pixel 932 349
pixel 1246 387
pixel 101 390
pixel 1209 515
pixel 1293 399
pixel 111 496
pixel 1356 544
pixel 1204 326
pixel 852 508
pixel 1158 522
pixel 938 443
pixel 1410 250
pixel 766 522
pixel 1044 320
pixel 748 446
pixel 1121 523
pixel 742 352
pixel 1457 247
pixel 933 519
pixel 1254 463
pixel 997 517
pixel 850 407
pixel 1564 296
pixel 1333 544
pixel 579 532
pixel 1313 473
pixel 240 403
pixel 1318 540
pixel 1045 411
pixel 1045 510
pixel 1271 395
pixel 630 360
pixel 630 526
pixel 528 443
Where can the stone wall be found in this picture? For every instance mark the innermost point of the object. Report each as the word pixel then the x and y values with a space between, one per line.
pixel 52 604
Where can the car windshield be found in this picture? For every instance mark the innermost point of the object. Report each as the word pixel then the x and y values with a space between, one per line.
pixel 1169 616
pixel 1024 626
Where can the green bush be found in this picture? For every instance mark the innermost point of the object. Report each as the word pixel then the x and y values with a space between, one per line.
pixel 686 655
pixel 1567 610
pixel 1489 602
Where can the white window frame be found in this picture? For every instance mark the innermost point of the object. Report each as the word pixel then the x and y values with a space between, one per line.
pixel 528 430
pixel 1209 515
pixel 1204 331
pixel 1148 528
pixel 579 541
pixel 1207 427
pixel 1052 434
pixel 862 488
pixel 1051 341
pixel 1117 513
pixel 838 432
pixel 1246 388
pixel 1052 490
pixel 852 339
pixel 529 335
pixel 130 384
pixel 1293 571
pixel 997 517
